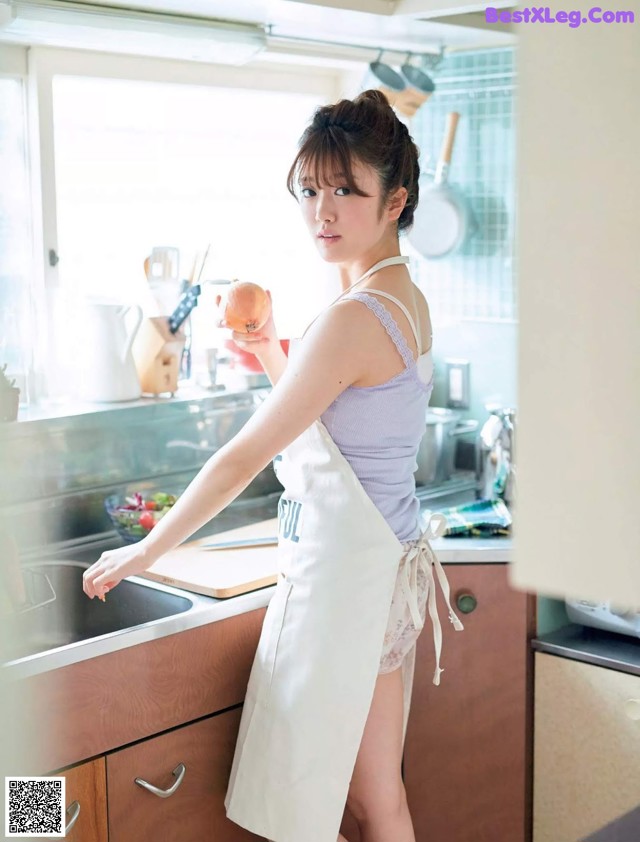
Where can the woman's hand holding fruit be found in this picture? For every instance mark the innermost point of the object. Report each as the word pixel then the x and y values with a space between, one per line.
pixel 249 314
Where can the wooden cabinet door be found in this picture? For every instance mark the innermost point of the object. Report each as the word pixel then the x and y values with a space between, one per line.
pixel 195 812
pixel 467 747
pixel 86 798
pixel 587 748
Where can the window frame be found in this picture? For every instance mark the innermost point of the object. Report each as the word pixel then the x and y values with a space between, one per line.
pixel 45 63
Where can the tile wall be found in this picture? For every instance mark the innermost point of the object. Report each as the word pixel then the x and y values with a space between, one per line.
pixel 472 294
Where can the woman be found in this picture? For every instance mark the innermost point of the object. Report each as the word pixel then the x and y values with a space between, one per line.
pixel 326 708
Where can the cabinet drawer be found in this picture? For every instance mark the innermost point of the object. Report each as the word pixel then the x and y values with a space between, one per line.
pixel 86 800
pixel 195 811
pixel 586 748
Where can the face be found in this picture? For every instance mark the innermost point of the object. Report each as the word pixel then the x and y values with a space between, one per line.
pixel 344 225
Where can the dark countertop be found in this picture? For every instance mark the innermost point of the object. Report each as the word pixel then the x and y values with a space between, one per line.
pixel 592 646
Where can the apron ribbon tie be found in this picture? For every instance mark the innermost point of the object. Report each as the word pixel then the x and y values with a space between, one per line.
pixel 421 554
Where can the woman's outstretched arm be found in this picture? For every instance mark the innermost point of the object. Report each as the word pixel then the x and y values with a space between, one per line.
pixel 332 356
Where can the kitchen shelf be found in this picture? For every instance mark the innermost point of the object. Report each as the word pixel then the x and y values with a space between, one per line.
pixel 592 646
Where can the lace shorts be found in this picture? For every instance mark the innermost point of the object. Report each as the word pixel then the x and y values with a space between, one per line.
pixel 401 633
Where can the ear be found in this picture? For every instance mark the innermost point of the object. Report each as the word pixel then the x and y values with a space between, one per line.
pixel 396 203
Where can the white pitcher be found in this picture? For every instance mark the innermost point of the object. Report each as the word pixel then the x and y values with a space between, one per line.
pixel 106 369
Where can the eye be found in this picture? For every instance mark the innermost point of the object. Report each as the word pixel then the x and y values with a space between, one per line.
pixel 307 192
pixel 346 191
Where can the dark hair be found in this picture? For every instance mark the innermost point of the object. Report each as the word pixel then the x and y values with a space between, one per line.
pixel 365 129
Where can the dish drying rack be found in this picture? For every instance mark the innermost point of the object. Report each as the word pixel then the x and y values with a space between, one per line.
pixel 33 589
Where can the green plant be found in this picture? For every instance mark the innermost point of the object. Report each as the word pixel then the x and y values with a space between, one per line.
pixel 9 397
pixel 5 383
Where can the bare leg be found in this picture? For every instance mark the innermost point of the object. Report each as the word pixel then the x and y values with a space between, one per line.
pixel 377 797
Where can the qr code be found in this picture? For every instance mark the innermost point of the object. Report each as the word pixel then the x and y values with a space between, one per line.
pixel 34 807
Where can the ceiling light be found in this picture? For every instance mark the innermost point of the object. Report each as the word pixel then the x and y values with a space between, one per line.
pixel 87 27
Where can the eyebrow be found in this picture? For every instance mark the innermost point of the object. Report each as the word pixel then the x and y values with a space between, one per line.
pixel 308 180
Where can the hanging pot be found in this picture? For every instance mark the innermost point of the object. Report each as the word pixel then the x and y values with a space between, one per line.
pixel 419 88
pixel 443 219
pixel 385 79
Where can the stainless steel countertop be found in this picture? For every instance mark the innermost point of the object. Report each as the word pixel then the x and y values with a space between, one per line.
pixel 453 550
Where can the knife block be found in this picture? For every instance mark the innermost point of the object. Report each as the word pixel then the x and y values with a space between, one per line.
pixel 157 354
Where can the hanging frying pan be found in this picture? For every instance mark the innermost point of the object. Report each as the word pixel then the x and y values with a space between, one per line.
pixel 443 219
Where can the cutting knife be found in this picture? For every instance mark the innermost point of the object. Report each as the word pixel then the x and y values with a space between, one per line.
pixel 242 543
pixel 187 302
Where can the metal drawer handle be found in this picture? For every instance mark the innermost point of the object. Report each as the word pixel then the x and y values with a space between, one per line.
pixel 73 811
pixel 632 708
pixel 178 772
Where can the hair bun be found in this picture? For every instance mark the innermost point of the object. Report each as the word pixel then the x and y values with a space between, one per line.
pixel 374 96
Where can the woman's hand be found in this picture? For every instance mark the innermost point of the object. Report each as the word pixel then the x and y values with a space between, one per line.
pixel 113 566
pixel 260 342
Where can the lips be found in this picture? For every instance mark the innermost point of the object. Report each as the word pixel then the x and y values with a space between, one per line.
pixel 327 235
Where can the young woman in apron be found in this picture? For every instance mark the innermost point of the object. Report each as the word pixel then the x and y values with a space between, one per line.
pixel 328 697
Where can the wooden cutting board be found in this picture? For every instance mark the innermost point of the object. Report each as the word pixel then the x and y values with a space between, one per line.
pixel 220 573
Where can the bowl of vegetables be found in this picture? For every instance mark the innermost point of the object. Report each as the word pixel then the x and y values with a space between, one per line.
pixel 135 515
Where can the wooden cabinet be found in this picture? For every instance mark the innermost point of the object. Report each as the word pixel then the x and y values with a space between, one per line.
pixel 153 700
pixel 468 747
pixel 195 760
pixel 86 801
pixel 586 747
pixel 141 690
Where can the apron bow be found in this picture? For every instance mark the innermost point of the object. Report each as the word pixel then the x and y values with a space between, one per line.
pixel 421 555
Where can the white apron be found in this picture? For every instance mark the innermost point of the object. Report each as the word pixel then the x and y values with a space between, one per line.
pixel 316 665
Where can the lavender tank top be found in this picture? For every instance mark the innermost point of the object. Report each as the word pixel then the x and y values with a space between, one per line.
pixel 378 428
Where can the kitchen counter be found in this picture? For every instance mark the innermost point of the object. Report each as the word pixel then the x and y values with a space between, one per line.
pixel 453 550
pixel 457 550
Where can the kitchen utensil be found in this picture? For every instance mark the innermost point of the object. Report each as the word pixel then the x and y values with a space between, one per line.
pixel 417 78
pixel 436 453
pixel 187 302
pixel 419 88
pixel 202 265
pixel 162 271
pixel 158 354
pixel 211 355
pixel 495 446
pixel 224 573
pixel 164 264
pixel 384 78
pixel 443 219
pixel 106 368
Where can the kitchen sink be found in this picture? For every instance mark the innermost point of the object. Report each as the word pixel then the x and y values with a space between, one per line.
pixel 58 613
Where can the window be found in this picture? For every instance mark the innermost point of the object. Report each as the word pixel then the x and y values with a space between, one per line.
pixel 16 266
pixel 142 164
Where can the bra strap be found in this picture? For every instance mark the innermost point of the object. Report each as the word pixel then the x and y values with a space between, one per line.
pixel 404 310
